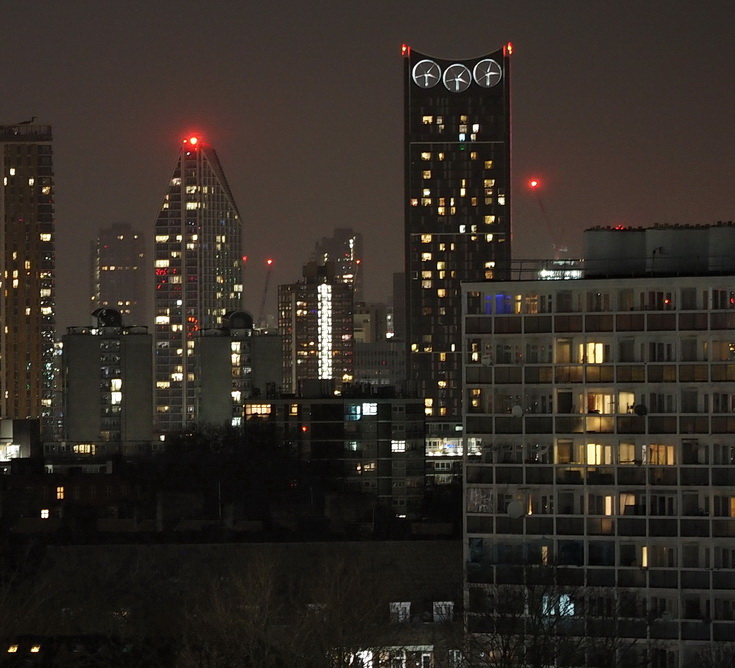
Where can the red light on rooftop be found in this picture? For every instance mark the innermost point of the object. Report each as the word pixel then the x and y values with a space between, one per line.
pixel 269 262
pixel 509 48
pixel 405 50
pixel 534 183
pixel 244 258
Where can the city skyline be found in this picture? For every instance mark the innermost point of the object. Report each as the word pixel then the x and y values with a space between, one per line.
pixel 621 110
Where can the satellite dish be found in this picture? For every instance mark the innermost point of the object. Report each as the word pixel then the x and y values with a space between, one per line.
pixel 640 410
pixel 515 509
pixel 516 411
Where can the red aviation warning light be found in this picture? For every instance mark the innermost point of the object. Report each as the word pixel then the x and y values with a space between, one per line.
pixel 405 50
pixel 269 262
pixel 534 183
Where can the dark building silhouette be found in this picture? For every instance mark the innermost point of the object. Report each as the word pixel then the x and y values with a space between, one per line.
pixel 344 249
pixel 118 272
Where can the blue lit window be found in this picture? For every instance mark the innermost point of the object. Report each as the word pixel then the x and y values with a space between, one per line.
pixel 353 412
pixel 503 304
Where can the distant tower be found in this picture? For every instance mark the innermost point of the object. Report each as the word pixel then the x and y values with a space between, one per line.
pixel 27 306
pixel 457 207
pixel 198 267
pixel 344 249
pixel 119 278
pixel 315 321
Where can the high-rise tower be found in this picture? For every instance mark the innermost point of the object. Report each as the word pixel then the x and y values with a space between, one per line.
pixel 27 307
pixel 315 321
pixel 117 272
pixel 457 207
pixel 198 266
pixel 344 249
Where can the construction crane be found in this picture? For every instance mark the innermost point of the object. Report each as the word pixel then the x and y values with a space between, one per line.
pixel 535 185
pixel 261 313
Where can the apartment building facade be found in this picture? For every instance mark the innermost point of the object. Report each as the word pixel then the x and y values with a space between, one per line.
pixel 605 411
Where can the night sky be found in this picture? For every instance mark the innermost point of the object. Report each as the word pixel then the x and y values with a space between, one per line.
pixel 625 110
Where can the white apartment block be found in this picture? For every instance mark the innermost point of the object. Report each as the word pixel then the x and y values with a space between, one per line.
pixel 605 409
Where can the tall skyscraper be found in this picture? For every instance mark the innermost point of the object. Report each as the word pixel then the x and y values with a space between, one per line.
pixel 344 249
pixel 118 273
pixel 315 321
pixel 457 207
pixel 198 267
pixel 27 307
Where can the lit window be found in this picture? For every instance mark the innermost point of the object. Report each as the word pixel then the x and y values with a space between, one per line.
pixel 400 612
pixel 398 446
pixel 443 611
pixel 370 409
pixel 426 155
pixel 427 120
pixel 561 605
pixel 592 353
pixel 426 174
pixel 44 513
pixel 257 409
pixel 35 649
pixel 60 493
pixel 661 455
pixel 12 649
